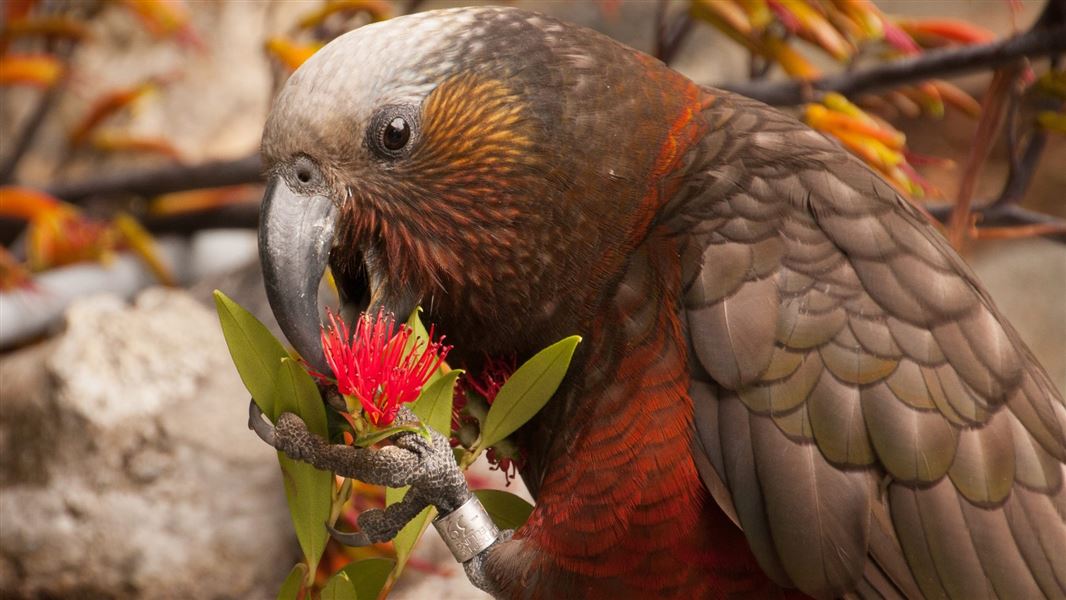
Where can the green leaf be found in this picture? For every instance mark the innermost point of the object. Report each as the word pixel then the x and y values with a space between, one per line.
pixel 406 539
pixel 279 385
pixel 419 332
pixel 339 587
pixel 255 351
pixel 308 490
pixel 507 510
pixel 434 404
pixel 301 396
pixel 368 576
pixel 527 390
pixel 290 588
pixel 376 436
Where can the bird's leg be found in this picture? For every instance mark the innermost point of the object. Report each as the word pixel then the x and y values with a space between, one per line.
pixel 427 465
pixel 392 466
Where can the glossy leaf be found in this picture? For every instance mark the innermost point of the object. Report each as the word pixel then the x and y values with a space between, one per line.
pixel 308 490
pixel 368 576
pixel 420 333
pixel 434 405
pixel 507 510
pixel 255 351
pixel 290 588
pixel 279 384
pixel 418 330
pixel 527 390
pixel 339 587
pixel 405 541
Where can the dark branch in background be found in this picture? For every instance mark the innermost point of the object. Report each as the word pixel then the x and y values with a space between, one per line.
pixel 669 35
pixel 29 132
pixel 1034 43
pixel 1023 162
pixel 163 180
pixel 412 6
pixel 1007 215
pixel 1046 37
pixel 1021 168
pixel 236 216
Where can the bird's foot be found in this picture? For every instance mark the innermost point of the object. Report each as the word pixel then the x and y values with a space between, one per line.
pixel 427 465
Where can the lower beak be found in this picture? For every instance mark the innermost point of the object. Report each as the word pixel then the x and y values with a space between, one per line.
pixel 295 238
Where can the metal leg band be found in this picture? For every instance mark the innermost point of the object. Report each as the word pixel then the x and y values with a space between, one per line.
pixel 467 530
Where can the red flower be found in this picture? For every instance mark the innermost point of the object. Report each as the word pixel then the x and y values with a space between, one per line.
pixel 373 366
pixel 504 456
pixel 486 383
pixel 507 466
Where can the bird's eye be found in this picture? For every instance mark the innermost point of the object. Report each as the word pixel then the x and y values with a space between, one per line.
pixel 393 130
pixel 396 134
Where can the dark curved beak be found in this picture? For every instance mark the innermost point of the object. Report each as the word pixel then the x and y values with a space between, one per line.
pixel 295 237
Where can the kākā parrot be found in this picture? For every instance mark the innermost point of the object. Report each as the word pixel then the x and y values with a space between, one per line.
pixel 789 381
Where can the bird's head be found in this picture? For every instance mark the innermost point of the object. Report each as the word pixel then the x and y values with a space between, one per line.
pixel 489 164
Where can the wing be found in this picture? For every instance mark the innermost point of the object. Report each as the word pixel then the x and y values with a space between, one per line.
pixel 862 409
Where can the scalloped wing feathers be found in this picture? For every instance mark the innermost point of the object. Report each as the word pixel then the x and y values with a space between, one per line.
pixel 862 408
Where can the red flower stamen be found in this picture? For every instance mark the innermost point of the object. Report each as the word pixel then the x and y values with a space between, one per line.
pixel 373 366
pixel 486 383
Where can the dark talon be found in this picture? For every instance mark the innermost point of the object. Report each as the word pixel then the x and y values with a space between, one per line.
pixel 349 538
pixel 257 422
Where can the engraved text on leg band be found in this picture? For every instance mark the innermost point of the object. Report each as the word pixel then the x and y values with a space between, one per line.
pixel 467 530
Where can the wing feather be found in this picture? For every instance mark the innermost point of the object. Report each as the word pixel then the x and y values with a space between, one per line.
pixel 869 417
pixel 819 515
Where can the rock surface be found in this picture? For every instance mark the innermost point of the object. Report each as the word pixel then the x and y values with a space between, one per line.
pixel 125 465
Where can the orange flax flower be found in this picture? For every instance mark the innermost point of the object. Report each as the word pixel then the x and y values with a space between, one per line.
pixel 375 365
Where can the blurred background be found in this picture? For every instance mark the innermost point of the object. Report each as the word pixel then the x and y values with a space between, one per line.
pixel 128 139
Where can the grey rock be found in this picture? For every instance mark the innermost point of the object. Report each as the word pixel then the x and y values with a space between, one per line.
pixel 126 469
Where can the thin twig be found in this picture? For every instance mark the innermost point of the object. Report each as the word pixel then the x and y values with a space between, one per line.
pixel 993 111
pixel 933 64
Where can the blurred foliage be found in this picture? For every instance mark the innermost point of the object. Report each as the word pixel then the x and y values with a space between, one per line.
pixel 794 37
pixel 59 234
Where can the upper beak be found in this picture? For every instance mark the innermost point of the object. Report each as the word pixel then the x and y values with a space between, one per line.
pixel 295 237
